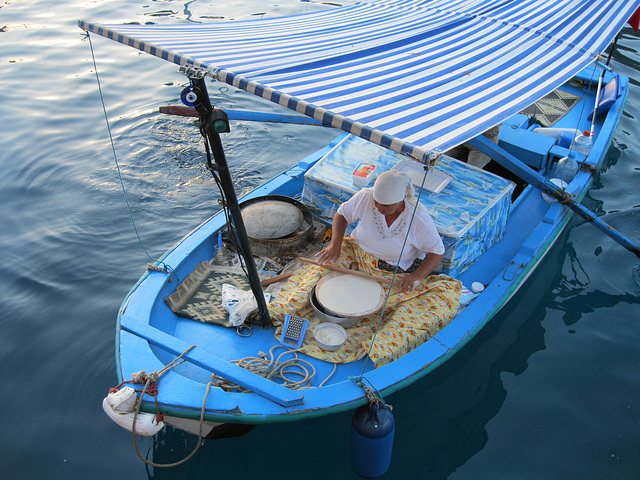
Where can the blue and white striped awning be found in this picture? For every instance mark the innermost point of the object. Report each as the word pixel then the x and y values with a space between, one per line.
pixel 414 76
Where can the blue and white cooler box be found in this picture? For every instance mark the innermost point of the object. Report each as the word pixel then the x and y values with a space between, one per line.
pixel 470 209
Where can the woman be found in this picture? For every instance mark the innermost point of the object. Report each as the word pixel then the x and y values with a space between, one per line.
pixel 417 306
pixel 389 229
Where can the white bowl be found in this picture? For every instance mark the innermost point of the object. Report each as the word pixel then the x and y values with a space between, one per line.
pixel 330 336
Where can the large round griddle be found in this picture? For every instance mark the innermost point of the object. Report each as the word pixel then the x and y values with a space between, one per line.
pixel 270 219
pixel 276 225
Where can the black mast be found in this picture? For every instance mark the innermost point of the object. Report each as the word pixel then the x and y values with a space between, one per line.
pixel 212 123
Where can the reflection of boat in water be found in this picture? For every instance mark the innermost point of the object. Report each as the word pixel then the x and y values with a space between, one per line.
pixel 535 76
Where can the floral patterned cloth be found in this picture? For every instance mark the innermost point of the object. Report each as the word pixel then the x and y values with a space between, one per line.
pixel 409 318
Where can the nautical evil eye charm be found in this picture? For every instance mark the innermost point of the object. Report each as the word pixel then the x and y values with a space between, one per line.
pixel 188 97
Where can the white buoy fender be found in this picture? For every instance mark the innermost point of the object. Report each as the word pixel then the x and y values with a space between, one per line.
pixel 120 407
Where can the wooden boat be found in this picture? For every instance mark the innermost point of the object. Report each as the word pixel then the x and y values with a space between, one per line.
pixel 497 225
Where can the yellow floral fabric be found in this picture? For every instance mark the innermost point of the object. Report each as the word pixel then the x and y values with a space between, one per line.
pixel 409 318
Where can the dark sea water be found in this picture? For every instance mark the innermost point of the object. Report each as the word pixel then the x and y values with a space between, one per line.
pixel 550 389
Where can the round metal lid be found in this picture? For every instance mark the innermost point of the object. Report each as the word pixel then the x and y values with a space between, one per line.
pixel 269 219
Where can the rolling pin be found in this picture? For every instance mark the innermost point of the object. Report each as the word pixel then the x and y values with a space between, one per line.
pixel 275 279
pixel 347 271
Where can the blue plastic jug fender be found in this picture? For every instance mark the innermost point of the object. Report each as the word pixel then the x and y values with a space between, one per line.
pixel 372 431
pixel 565 139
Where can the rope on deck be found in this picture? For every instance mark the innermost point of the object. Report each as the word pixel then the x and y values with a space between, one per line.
pixel 291 372
pixel 264 365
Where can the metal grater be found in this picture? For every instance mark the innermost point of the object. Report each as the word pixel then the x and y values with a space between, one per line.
pixel 293 331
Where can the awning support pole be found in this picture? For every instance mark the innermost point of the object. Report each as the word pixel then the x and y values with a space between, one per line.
pixel 209 120
pixel 532 177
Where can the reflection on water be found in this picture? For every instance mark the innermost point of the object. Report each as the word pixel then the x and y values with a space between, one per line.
pixel 546 390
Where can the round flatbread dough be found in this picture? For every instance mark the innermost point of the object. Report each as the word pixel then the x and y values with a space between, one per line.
pixel 347 295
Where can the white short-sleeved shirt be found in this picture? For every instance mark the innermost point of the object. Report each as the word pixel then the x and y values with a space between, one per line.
pixel 384 242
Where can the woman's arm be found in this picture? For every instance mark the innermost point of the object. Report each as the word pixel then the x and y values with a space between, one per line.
pixel 332 252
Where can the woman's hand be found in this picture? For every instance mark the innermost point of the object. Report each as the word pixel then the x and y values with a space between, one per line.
pixel 332 252
pixel 409 282
pixel 329 254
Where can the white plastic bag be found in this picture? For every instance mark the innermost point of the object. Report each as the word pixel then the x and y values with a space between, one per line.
pixel 239 303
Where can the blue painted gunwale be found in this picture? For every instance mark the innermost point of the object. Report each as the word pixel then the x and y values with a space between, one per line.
pixel 534 226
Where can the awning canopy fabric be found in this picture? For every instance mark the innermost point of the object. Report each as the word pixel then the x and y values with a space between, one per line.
pixel 410 75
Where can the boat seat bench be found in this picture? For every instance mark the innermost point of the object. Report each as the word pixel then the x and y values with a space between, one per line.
pixel 530 147
pixel 197 356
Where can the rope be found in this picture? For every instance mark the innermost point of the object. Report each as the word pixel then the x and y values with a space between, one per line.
pixel 584 104
pixel 166 269
pixel 271 368
pixel 265 365
pixel 151 387
pixel 163 268
pixel 395 271
pixel 373 395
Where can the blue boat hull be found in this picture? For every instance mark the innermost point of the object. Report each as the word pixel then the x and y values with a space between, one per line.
pixel 150 335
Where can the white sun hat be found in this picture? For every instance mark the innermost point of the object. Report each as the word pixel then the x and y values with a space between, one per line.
pixel 392 187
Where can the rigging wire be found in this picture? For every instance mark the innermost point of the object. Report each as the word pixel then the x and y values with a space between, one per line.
pixel 584 104
pixel 223 199
pixel 416 205
pixel 166 268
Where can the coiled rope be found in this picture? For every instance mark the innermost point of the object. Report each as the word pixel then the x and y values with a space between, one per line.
pixel 266 366
pixel 271 368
